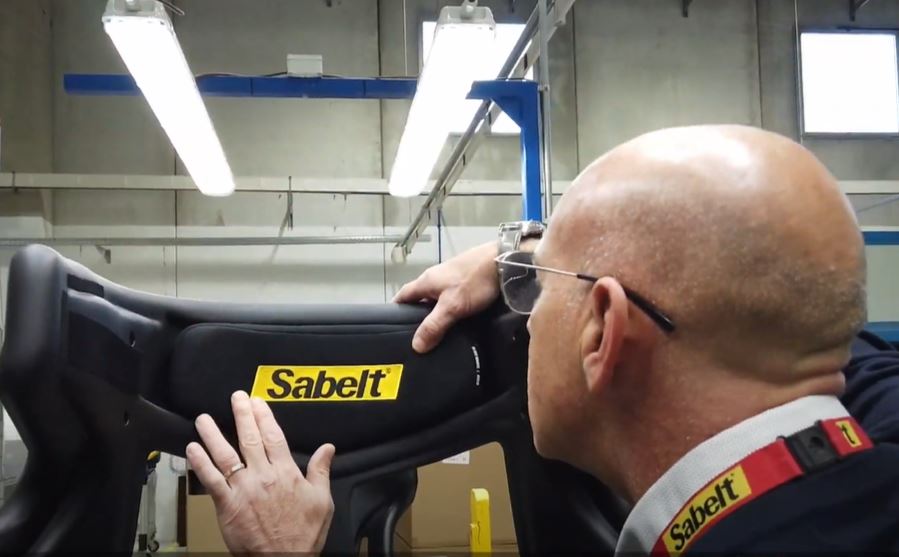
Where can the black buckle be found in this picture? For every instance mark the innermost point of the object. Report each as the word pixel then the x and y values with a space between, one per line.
pixel 812 448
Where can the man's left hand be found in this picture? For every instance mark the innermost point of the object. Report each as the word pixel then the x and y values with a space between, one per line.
pixel 266 505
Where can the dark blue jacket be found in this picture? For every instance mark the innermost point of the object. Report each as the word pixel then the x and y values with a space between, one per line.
pixel 848 507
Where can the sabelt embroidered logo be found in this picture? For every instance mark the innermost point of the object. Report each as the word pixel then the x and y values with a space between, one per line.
pixel 725 490
pixel 327 383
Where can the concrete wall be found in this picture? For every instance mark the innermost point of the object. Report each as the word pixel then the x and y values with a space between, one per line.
pixel 641 66
pixel 26 100
pixel 619 68
pixel 855 159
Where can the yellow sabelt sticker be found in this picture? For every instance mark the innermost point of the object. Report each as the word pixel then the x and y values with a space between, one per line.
pixel 849 433
pixel 725 490
pixel 327 383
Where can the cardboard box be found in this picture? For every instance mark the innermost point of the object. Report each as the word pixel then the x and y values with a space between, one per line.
pixel 498 551
pixel 436 523
pixel 440 515
pixel 203 534
pixel 400 548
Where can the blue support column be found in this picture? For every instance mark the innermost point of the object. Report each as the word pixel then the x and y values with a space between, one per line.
pixel 521 101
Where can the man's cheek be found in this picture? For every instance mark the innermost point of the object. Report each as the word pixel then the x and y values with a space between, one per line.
pixel 542 381
pixel 536 413
pixel 536 380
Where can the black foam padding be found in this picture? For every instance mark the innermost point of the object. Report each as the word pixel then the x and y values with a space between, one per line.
pixel 95 349
pixel 212 360
pixel 86 286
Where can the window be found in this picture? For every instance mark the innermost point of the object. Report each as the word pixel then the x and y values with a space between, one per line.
pixel 850 82
pixel 506 35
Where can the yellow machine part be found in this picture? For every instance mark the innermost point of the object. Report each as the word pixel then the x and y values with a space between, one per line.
pixel 480 536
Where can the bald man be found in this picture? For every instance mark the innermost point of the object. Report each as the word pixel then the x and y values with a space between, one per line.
pixel 721 285
pixel 692 306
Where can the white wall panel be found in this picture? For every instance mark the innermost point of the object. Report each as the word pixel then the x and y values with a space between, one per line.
pixel 343 273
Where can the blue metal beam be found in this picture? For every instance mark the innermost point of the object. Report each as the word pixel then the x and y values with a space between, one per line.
pixel 881 237
pixel 520 99
pixel 887 330
pixel 249 86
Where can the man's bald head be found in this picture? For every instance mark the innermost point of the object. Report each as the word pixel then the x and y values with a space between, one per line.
pixel 741 235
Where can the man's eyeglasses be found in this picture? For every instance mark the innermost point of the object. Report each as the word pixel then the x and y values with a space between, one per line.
pixel 520 288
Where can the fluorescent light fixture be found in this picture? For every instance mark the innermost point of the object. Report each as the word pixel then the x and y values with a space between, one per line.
pixel 143 34
pixel 463 36
pixel 850 82
pixel 506 36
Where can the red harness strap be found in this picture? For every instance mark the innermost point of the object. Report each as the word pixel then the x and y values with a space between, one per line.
pixel 760 472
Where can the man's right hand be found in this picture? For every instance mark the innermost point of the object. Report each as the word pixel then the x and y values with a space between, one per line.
pixel 461 286
pixel 263 502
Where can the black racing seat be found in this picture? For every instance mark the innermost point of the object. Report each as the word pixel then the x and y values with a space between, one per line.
pixel 95 376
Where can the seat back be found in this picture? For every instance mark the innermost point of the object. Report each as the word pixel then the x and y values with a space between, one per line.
pixel 95 376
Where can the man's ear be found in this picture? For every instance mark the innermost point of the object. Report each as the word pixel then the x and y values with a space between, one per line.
pixel 603 336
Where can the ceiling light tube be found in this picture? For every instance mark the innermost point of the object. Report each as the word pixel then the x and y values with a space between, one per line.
pixel 459 55
pixel 143 34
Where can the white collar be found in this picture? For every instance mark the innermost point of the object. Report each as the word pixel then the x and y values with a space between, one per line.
pixel 706 461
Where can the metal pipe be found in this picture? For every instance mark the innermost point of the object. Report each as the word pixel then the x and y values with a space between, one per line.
pixel 206 241
pixel 530 28
pixel 516 65
pixel 498 191
pixel 885 201
pixel 854 7
pixel 245 184
pixel 545 105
